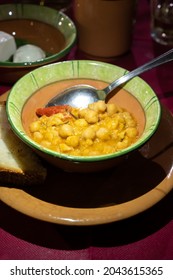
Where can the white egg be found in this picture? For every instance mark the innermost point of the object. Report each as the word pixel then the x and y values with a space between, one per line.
pixel 28 53
pixel 7 46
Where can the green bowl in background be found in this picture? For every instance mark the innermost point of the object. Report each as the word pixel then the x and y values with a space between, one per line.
pixel 47 28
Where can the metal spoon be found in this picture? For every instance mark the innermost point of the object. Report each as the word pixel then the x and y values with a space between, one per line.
pixel 82 95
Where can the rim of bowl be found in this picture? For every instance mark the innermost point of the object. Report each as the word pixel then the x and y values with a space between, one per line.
pixel 79 159
pixel 49 58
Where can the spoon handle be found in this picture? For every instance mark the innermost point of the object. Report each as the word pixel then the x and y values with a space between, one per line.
pixel 164 58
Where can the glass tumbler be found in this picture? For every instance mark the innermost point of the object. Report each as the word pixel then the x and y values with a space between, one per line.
pixel 162 21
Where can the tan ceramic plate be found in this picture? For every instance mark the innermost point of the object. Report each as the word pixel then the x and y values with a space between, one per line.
pixel 128 189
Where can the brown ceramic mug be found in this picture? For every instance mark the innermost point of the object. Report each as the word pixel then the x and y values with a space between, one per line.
pixel 104 26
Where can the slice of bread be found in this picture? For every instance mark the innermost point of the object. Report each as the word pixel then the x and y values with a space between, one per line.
pixel 19 165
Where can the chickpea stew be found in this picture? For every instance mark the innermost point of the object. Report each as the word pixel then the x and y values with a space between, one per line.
pixel 97 130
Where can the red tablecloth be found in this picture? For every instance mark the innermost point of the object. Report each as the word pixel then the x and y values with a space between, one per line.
pixel 148 235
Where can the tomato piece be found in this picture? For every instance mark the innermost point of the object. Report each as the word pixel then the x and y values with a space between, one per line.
pixel 49 111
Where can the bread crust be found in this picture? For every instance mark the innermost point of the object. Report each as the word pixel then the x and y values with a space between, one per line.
pixel 19 164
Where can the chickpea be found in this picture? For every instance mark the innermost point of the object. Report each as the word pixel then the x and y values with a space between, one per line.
pixel 48 136
pixel 65 130
pixel 72 141
pixel 34 126
pixel 123 144
pixel 126 115
pixel 45 143
pixel 37 136
pixel 121 135
pixel 103 133
pixel 59 116
pixel 54 132
pixel 81 122
pixel 95 127
pixel 93 106
pixel 43 121
pixel 101 106
pixel 131 122
pixel 114 123
pixel 110 122
pixel 111 109
pixel 82 113
pixel 115 134
pixel 91 116
pixel 103 116
pixel 131 132
pixel 121 118
pixel 54 120
pixel 88 142
pixel 98 106
pixel 56 141
pixel 75 112
pixel 89 133
pixel 121 126
pixel 64 148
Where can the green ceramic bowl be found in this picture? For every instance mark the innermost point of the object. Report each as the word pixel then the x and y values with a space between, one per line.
pixel 47 28
pixel 136 96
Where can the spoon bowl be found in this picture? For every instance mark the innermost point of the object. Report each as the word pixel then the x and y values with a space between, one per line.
pixel 82 95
